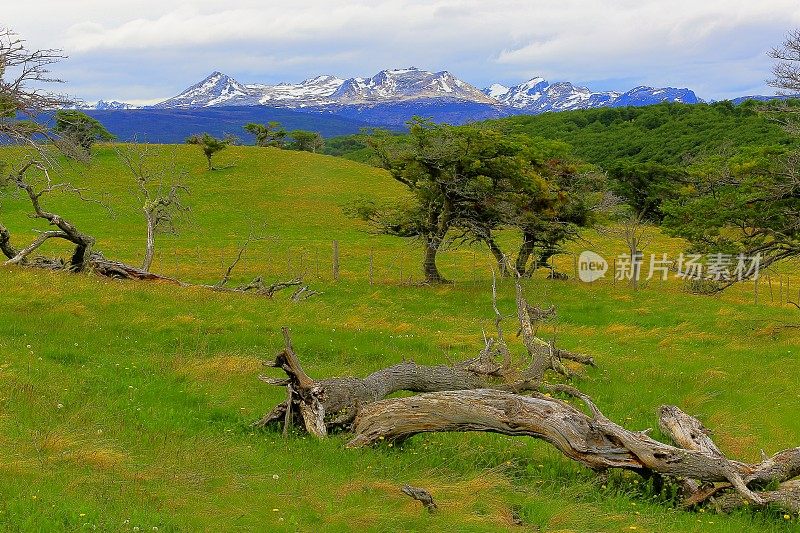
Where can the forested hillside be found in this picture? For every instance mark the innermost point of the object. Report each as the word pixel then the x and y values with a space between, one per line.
pixel 666 134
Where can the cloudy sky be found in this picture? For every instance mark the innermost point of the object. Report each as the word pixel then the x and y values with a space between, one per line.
pixel 148 50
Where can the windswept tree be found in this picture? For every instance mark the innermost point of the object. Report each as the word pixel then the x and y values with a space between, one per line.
pixel 466 183
pixel 564 201
pixel 22 74
pixel 269 134
pixel 80 129
pixel 210 145
pixel 437 164
pixel 306 141
pixel 748 204
pixel 160 190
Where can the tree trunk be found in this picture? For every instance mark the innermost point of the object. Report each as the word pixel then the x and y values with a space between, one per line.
pixel 524 255
pixel 341 398
pixel 636 267
pixel 83 250
pixel 5 243
pixel 151 242
pixel 500 257
pixel 429 268
pixel 594 441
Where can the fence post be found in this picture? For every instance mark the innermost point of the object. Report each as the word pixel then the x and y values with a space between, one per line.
pixel 335 260
pixel 771 295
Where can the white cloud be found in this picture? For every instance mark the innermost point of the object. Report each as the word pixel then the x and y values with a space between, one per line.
pixel 713 46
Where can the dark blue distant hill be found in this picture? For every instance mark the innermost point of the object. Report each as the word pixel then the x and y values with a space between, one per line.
pixel 762 98
pixel 395 115
pixel 174 125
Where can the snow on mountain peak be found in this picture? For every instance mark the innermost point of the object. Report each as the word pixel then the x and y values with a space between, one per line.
pixel 538 96
pixel 535 95
pixel 496 90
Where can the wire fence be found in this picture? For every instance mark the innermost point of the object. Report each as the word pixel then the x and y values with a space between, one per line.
pixel 357 262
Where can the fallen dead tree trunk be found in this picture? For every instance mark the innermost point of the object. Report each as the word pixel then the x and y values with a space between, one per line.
pixel 335 402
pixel 487 394
pixel 592 440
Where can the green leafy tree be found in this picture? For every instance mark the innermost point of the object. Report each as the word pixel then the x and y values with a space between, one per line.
pixel 562 201
pixel 749 203
pixel 306 141
pixel 467 182
pixel 79 129
pixel 644 186
pixel 269 134
pixel 210 145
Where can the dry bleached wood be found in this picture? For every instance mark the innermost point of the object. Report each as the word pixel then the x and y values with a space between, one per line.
pixel 336 401
pixel 422 496
pixel 592 440
pixel 484 394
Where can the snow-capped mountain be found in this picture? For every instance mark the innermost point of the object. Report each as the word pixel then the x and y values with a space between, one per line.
pixel 102 105
pixel 386 86
pixel 313 91
pixel 392 97
pixel 112 105
pixel 407 84
pixel 216 89
pixel 642 96
pixel 538 96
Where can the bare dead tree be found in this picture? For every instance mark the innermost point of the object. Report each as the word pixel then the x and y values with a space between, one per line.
pixel 23 73
pixel 20 178
pixel 629 226
pixel 258 286
pixel 160 190
pixel 786 78
pixel 786 70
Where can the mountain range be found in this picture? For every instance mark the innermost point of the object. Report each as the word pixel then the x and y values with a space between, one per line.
pixel 406 85
pixel 334 105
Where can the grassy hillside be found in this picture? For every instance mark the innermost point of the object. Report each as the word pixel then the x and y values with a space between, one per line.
pixel 125 406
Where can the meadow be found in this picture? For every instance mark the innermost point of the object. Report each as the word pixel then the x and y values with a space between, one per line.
pixel 127 406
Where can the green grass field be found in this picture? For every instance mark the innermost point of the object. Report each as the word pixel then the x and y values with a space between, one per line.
pixel 126 406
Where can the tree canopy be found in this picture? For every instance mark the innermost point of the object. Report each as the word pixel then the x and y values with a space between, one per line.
pixel 79 128
pixel 269 134
pixel 210 145
pixel 466 182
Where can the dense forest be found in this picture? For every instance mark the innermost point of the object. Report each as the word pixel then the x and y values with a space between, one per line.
pixel 665 134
